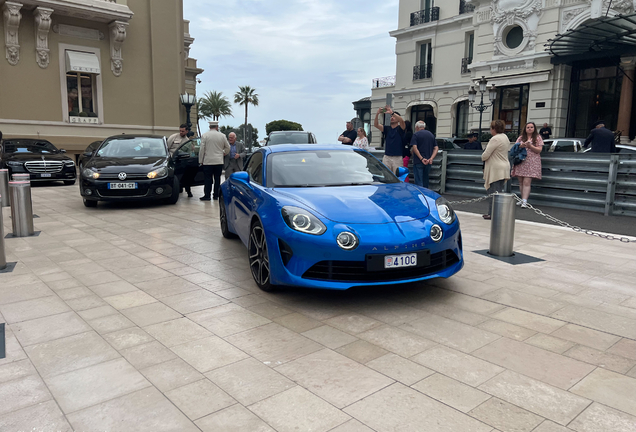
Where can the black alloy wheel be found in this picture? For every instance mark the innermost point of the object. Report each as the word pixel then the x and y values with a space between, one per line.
pixel 175 192
pixel 225 230
pixel 259 257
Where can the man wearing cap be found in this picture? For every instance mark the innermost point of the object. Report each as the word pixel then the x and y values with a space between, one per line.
pixel 473 143
pixel 175 140
pixel 214 147
pixel 601 138
pixel 393 138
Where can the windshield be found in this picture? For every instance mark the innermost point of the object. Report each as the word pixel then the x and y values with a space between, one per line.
pixel 289 138
pixel 138 147
pixel 326 168
pixel 29 146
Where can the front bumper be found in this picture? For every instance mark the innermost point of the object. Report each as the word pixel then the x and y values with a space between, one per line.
pixel 98 190
pixel 66 174
pixel 318 262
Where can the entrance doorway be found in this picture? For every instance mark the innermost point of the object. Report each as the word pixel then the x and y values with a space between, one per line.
pixel 426 114
pixel 512 107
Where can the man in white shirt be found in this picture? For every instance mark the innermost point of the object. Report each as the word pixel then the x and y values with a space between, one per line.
pixel 214 147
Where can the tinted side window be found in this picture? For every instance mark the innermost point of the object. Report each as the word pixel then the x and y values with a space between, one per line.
pixel 564 146
pixel 255 168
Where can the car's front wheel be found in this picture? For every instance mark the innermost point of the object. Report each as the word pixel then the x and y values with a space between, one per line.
pixel 90 203
pixel 259 257
pixel 225 230
pixel 175 192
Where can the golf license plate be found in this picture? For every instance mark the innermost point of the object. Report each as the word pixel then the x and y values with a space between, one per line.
pixel 122 185
pixel 398 261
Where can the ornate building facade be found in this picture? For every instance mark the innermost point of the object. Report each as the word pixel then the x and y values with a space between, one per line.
pixel 442 50
pixel 77 71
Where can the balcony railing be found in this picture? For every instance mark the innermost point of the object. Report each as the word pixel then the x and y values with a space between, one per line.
pixel 465 63
pixel 465 7
pixel 423 72
pixel 388 81
pixel 424 16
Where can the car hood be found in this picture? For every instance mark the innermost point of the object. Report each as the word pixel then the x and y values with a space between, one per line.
pixel 25 157
pixel 130 165
pixel 373 204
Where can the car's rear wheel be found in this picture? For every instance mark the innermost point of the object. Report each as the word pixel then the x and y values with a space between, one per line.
pixel 69 182
pixel 175 192
pixel 225 230
pixel 90 203
pixel 259 257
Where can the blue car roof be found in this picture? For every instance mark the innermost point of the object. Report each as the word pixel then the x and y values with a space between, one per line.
pixel 306 147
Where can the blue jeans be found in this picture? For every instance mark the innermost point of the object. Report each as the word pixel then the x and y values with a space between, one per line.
pixel 420 172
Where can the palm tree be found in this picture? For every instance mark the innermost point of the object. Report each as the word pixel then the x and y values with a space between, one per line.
pixel 214 105
pixel 245 96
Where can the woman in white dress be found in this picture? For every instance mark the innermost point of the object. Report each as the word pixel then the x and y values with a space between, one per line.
pixel 361 141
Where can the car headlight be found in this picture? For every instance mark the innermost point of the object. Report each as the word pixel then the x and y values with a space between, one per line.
pixel 69 163
pixel 90 174
pixel 303 221
pixel 161 172
pixel 347 240
pixel 14 163
pixel 445 211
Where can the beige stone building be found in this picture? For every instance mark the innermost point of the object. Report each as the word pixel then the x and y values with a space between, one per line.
pixel 567 63
pixel 76 71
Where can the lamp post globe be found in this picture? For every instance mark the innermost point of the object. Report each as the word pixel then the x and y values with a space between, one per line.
pixel 187 100
pixel 481 106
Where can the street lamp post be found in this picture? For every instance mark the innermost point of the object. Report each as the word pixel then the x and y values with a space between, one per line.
pixel 481 107
pixel 187 100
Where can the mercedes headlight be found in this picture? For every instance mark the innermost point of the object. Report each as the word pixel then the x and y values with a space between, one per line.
pixel 14 163
pixel 303 221
pixel 90 174
pixel 69 163
pixel 161 172
pixel 445 211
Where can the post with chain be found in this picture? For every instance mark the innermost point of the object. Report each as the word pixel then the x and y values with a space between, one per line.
pixel 442 183
pixel 611 185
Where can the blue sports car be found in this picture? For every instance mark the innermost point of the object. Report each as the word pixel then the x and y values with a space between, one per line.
pixel 335 217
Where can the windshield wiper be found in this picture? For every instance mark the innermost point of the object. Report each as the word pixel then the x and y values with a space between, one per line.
pixel 298 186
pixel 350 184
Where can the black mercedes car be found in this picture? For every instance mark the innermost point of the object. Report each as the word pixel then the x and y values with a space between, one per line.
pixel 138 167
pixel 39 158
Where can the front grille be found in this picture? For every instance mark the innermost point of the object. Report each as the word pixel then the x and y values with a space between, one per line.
pixel 122 192
pixel 356 271
pixel 115 176
pixel 44 167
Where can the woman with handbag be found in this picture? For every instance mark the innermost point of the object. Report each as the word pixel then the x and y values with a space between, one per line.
pixel 496 164
pixel 531 166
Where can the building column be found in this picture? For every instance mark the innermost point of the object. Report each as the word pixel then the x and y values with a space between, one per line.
pixel 628 64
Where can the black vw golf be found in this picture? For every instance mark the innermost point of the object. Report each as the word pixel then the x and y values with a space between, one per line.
pixel 138 167
pixel 39 158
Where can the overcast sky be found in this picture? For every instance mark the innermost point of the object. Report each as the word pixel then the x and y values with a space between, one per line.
pixel 307 59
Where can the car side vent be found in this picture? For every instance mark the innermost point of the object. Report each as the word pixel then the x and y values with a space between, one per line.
pixel 286 252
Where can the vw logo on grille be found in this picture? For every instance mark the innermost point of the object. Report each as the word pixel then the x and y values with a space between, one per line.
pixel 122 176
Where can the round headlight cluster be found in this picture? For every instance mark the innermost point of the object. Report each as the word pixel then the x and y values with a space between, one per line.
pixel 347 240
pixel 445 211
pixel 436 233
pixel 302 221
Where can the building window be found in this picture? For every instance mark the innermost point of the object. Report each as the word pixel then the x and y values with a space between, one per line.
pixel 514 37
pixel 461 127
pixel 425 68
pixel 81 95
pixel 426 114
pixel 468 52
pixel 512 107
pixel 81 85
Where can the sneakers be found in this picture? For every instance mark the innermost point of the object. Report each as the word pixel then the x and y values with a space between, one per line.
pixel 518 203
pixel 524 205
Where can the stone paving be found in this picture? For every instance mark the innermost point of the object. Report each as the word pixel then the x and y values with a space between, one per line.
pixel 143 318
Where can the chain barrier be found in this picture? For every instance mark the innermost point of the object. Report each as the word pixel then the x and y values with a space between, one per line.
pixel 550 218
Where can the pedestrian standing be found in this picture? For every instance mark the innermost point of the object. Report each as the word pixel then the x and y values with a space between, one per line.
pixel 473 143
pixel 406 146
pixel 545 132
pixel 214 146
pixel 496 164
pixel 233 162
pixel 424 149
pixel 393 138
pixel 531 166
pixel 601 138
pixel 175 140
pixel 349 135
pixel 361 141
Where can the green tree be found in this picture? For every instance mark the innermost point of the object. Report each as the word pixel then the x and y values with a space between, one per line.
pixel 246 96
pixel 214 105
pixel 282 125
pixel 227 130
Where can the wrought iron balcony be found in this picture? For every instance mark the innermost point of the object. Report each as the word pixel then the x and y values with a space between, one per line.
pixel 384 82
pixel 424 16
pixel 465 8
pixel 423 72
pixel 465 63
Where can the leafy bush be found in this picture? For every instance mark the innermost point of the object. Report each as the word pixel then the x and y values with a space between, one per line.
pixel 282 125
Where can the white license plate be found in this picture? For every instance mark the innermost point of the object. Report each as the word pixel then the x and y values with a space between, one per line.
pixel 45 175
pixel 122 185
pixel 397 261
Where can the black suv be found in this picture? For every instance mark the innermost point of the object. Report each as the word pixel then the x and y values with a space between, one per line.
pixel 138 167
pixel 39 158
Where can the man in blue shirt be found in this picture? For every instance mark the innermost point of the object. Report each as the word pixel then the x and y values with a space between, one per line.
pixel 233 162
pixel 424 149
pixel 349 135
pixel 393 136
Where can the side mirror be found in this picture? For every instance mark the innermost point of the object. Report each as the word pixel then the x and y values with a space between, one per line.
pixel 62 151
pixel 401 173
pixel 88 154
pixel 241 176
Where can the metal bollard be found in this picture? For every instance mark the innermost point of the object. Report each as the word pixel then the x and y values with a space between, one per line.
pixel 502 229
pixel 21 177
pixel 4 188
pixel 3 257
pixel 21 208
